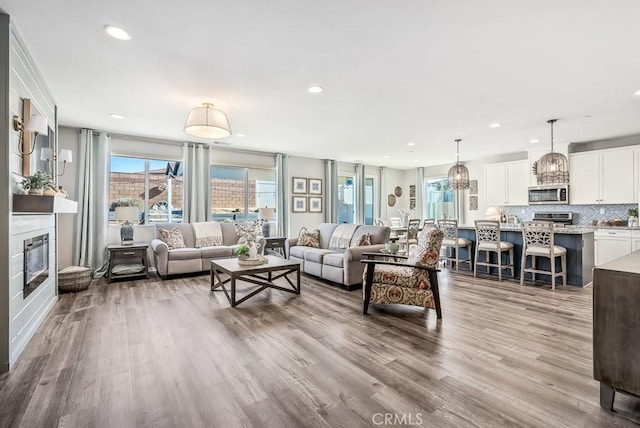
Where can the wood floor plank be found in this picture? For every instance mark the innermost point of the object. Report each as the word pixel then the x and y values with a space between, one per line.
pixel 173 353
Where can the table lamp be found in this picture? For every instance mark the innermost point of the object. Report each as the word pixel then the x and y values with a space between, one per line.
pixel 266 214
pixel 492 213
pixel 128 215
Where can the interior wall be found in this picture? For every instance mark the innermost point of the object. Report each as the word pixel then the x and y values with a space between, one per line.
pixel 68 139
pixel 5 194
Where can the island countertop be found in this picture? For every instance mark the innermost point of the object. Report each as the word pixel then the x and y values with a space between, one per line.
pixel 571 230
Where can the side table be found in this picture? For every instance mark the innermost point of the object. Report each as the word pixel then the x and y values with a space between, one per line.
pixel 275 244
pixel 133 256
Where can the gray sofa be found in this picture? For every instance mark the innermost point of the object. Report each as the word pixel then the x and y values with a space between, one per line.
pixel 192 259
pixel 340 266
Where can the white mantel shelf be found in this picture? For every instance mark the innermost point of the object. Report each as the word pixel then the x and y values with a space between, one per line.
pixel 35 204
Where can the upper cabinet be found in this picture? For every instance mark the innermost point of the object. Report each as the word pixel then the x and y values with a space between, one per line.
pixel 506 183
pixel 602 176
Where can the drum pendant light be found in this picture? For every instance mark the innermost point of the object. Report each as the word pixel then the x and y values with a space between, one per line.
pixel 552 168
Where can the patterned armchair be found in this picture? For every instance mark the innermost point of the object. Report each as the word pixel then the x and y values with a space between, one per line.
pixel 414 282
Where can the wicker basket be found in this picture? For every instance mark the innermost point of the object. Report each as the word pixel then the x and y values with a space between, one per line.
pixel 74 278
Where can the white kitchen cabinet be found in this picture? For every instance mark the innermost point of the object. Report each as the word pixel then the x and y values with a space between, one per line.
pixel 635 240
pixel 602 176
pixel 612 244
pixel 506 183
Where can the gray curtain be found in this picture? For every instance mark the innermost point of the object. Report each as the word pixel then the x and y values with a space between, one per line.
pixel 383 194
pixel 419 192
pixel 92 224
pixel 331 191
pixel 282 193
pixel 197 183
pixel 360 193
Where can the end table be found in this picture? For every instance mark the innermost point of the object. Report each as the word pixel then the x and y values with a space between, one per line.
pixel 135 254
pixel 275 244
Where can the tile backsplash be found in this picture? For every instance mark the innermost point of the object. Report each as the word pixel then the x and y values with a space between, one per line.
pixel 582 214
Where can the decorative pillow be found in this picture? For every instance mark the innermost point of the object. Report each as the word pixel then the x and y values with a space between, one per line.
pixel 363 241
pixel 427 251
pixel 309 239
pixel 173 238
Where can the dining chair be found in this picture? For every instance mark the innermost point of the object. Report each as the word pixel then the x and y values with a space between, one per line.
pixel 411 236
pixel 429 222
pixel 488 241
pixel 538 241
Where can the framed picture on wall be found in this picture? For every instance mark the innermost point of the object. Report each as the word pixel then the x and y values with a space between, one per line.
pixel 299 185
pixel 299 204
pixel 315 186
pixel 315 204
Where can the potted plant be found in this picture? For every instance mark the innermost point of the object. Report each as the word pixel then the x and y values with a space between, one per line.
pixel 37 183
pixel 633 217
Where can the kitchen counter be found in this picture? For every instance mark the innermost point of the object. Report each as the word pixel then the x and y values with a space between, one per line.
pixel 579 242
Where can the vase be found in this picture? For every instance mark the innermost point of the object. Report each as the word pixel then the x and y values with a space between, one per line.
pixel 49 192
pixel 253 250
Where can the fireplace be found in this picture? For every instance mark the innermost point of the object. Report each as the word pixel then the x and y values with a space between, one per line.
pixel 36 262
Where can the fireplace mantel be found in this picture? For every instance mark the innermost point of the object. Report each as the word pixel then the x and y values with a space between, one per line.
pixel 36 204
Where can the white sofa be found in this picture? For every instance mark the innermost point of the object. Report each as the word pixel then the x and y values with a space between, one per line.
pixel 340 266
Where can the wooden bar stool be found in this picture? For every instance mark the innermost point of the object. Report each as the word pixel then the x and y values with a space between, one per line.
pixel 452 243
pixel 488 240
pixel 538 241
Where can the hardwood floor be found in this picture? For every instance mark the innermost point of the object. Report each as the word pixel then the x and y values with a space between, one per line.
pixel 173 353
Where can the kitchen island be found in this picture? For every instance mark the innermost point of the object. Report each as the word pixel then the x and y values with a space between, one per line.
pixel 577 241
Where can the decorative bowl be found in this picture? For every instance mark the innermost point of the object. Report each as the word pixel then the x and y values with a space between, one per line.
pixel 392 247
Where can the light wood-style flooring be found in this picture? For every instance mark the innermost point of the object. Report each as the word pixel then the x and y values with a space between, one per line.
pixel 173 353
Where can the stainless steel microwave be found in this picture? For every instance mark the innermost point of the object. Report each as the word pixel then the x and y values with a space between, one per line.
pixel 549 194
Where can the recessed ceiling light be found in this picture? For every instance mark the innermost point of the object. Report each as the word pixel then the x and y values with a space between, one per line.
pixel 415 161
pixel 411 144
pixel 638 93
pixel 117 32
pixel 240 135
pixel 535 140
pixel 587 116
pixel 495 125
pixel 117 115
pixel 315 89
pixel 387 157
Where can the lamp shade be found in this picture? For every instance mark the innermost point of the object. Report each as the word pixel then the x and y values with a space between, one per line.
pixel 128 214
pixel 37 123
pixel 552 168
pixel 46 154
pixel 207 122
pixel 492 213
pixel 458 177
pixel 266 213
pixel 66 156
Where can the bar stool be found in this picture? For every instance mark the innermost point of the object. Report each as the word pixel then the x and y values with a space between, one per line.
pixel 488 240
pixel 452 242
pixel 538 241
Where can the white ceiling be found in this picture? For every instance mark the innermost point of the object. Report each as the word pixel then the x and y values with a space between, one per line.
pixel 394 72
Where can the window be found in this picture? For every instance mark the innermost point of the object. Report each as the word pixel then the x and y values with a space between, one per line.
pixel 237 193
pixel 154 186
pixel 439 199
pixel 346 198
pixel 369 199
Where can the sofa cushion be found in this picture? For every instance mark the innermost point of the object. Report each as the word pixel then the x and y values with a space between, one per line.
pixel 216 252
pixel 309 239
pixel 184 253
pixel 185 228
pixel 333 259
pixel 298 251
pixel 173 238
pixel 377 234
pixel 316 254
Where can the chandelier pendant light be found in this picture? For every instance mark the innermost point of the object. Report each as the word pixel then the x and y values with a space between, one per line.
pixel 458 174
pixel 552 168
pixel 207 122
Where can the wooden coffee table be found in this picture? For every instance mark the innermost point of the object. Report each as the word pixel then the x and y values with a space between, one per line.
pixel 274 269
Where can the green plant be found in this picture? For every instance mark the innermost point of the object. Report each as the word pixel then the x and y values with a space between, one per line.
pixel 633 212
pixel 39 180
pixel 241 250
pixel 125 202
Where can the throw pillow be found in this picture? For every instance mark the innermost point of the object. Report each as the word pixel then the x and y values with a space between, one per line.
pixel 309 239
pixel 173 238
pixel 363 241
